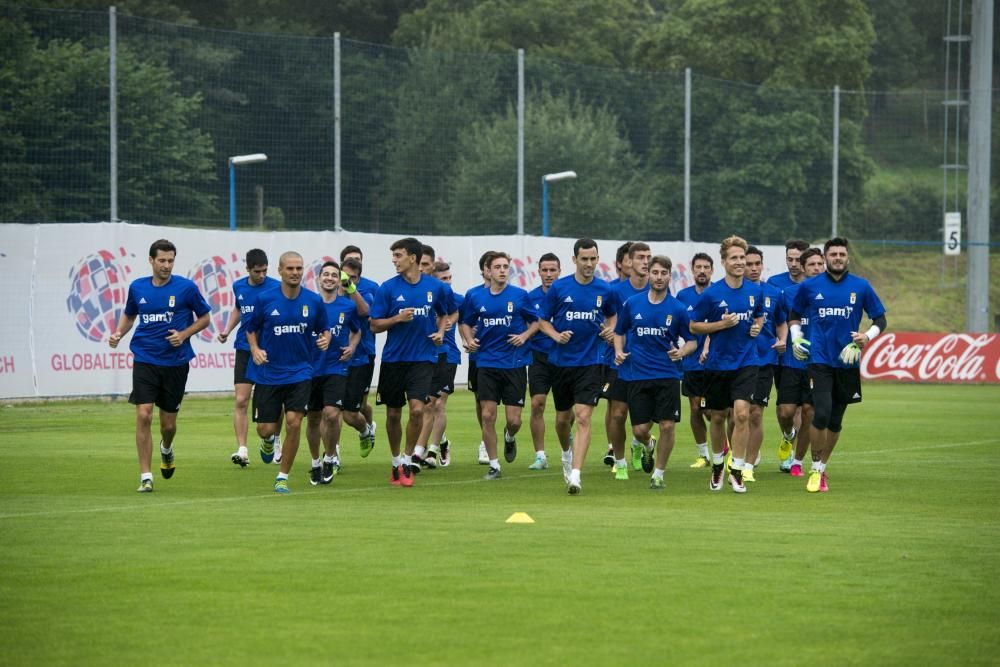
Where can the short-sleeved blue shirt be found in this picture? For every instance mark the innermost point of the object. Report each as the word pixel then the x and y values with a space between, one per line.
pixel 731 348
pixel 286 329
pixel 774 314
pixel 247 296
pixel 690 296
pixel 410 341
pixel 495 317
pixel 834 309
pixel 158 310
pixel 650 331
pixel 341 321
pixel 582 309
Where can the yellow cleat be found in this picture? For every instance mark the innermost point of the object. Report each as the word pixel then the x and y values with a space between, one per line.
pixel 700 462
pixel 748 475
pixel 815 478
pixel 784 448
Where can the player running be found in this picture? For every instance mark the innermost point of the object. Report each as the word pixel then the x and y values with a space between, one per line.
pixel 541 373
pixel 694 385
pixel 362 367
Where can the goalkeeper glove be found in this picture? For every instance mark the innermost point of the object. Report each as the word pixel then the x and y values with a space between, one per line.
pixel 851 354
pixel 347 283
pixel 800 348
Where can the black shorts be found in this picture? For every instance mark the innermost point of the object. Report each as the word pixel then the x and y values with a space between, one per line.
pixel 471 381
pixel 328 391
pixel 695 384
pixel 613 389
pixel 843 384
pixel 654 401
pixel 577 385
pixel 443 381
pixel 726 387
pixel 541 374
pixel 243 359
pixel 359 380
pixel 163 386
pixel 502 385
pixel 270 400
pixel 765 381
pixel 794 387
pixel 402 381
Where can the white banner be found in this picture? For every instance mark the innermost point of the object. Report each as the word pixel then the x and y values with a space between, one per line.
pixel 64 287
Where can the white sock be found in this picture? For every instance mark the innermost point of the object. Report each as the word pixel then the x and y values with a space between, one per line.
pixel 611 447
pixel 703 449
pixel 739 464
pixel 495 463
pixel 789 436
pixel 567 455
pixel 419 451
pixel 327 459
pixel 243 451
pixel 507 437
pixel 541 455
pixel 658 472
pixel 748 466
pixel 316 462
pixel 796 462
pixel 718 458
pixel 820 466
pixel 282 475
pixel 146 475
pixel 407 460
pixel 166 450
pixel 574 477
pixel 396 461
pixel 620 463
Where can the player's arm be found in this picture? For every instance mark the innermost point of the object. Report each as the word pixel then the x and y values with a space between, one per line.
pixel 687 349
pixel 258 354
pixel 728 321
pixel 608 330
pixel 177 338
pixel 517 340
pixel 359 301
pixel 347 353
pixel 385 323
pixel 560 337
pixel 879 325
pixel 234 321
pixel 125 324
pixel 800 346
pixel 620 354
pixel 780 338
pixel 468 335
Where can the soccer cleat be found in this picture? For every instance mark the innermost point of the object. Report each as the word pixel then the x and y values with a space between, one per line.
pixel 656 484
pixel 395 475
pixel 281 486
pixel 492 474
pixel 785 446
pixel 815 481
pixel 573 488
pixel 823 487
pixel 431 460
pixel 621 472
pixel 406 475
pixel 416 462
pixel 748 475
pixel 166 463
pixel 445 453
pixel 315 475
pixel 609 458
pixel 240 460
pixel 145 486
pixel 267 449
pixel 509 447
pixel 484 458
pixel 367 442
pixel 636 456
pixel 715 483
pixel 277 448
pixel 786 465
pixel 328 471
pixel 729 458
pixel 541 463
pixel 647 456
pixel 736 481
pixel 567 465
pixel 795 470
pixel 701 462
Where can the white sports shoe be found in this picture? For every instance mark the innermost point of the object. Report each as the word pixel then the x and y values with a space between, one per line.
pixel 484 458
pixel 567 468
pixel 277 448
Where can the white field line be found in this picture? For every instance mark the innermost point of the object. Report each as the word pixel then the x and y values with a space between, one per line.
pixel 948 445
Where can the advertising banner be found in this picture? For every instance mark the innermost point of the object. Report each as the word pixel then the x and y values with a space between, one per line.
pixel 933 357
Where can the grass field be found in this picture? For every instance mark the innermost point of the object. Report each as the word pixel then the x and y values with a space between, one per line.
pixel 892 566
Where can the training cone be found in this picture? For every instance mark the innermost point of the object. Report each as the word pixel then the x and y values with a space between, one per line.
pixel 520 517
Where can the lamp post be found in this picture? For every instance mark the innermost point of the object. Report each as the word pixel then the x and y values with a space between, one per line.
pixel 234 161
pixel 546 179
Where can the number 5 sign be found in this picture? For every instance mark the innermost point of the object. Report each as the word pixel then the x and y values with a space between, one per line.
pixel 952 233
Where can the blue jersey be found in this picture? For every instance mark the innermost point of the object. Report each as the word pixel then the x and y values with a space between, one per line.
pixel 286 329
pixel 473 356
pixel 788 357
pixel 247 296
pixel 341 321
pixel 622 291
pixel 732 348
pixel 410 341
pixel 834 310
pixel 782 281
pixel 690 296
pixel 366 348
pixel 453 354
pixel 157 311
pixel 539 342
pixel 774 314
pixel 495 317
pixel 651 331
pixel 582 309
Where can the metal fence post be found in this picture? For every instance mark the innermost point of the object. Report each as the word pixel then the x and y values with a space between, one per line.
pixel 520 142
pixel 113 110
pixel 977 300
pixel 687 154
pixel 836 159
pixel 337 226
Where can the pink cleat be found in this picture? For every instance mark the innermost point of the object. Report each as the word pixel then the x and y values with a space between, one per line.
pixel 796 470
pixel 823 488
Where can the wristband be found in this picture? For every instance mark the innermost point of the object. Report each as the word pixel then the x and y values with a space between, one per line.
pixel 873 331
pixel 796 331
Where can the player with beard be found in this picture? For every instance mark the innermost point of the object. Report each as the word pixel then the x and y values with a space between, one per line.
pixel 541 374
pixel 695 381
pixel 362 366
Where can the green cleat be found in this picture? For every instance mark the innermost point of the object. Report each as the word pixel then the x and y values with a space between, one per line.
pixel 145 486
pixel 621 472
pixel 656 484
pixel 166 463
pixel 367 442
pixel 636 455
pixel 281 486
pixel 647 456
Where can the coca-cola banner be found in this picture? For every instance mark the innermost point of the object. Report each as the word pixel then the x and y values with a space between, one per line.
pixel 933 357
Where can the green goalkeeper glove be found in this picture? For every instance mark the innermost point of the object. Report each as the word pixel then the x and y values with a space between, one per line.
pixel 800 348
pixel 851 354
pixel 347 283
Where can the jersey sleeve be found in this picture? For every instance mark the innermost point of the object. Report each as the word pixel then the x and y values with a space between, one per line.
pixel 253 323
pixel 527 309
pixel 381 305
pixel 683 325
pixel 873 305
pixel 624 320
pixel 612 304
pixel 702 309
pixel 550 304
pixel 468 314
pixel 445 303
pixel 801 302
pixel 131 305
pixel 354 320
pixel 196 301
pixel 321 323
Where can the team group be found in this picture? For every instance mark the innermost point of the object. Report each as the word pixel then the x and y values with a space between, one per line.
pixel 724 345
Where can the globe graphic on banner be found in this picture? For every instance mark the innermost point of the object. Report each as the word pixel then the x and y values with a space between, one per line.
pixel 98 290
pixel 212 277
pixel 310 277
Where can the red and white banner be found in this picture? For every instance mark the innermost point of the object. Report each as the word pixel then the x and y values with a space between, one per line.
pixel 933 357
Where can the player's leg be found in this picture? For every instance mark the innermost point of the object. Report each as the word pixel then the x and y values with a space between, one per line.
pixel 241 402
pixel 144 438
pixel 293 400
pixel 331 438
pixel 666 413
pixel 698 419
pixel 314 437
pixel 512 388
pixel 438 428
pixel 585 390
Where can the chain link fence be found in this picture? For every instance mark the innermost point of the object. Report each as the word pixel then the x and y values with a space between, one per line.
pixel 428 141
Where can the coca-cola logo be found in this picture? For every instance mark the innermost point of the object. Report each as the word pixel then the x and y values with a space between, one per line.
pixel 933 357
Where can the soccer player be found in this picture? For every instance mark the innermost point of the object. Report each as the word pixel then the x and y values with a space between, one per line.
pixel 622 266
pixel 497 323
pixel 795 275
pixel 578 310
pixel 694 385
pixel 432 436
pixel 427 258
pixel 344 307
pixel 794 389
pixel 248 292
pixel 283 331
pixel 770 344
pixel 170 310
pixel 614 391
pixel 730 312
pixel 484 270
pixel 362 368
pixel 412 307
pixel 541 373
pixel 649 342
pixel 833 302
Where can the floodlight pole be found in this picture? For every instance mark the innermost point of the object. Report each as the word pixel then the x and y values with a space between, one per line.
pixel 546 179
pixel 234 161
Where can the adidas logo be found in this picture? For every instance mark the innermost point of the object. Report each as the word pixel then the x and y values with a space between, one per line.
pixel 142 300
pixel 819 297
pixel 691 308
pixel 482 309
pixel 638 316
pixel 723 304
pixel 240 298
pixel 275 312
pixel 856 395
pixel 568 299
pixel 400 298
pixel 340 402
